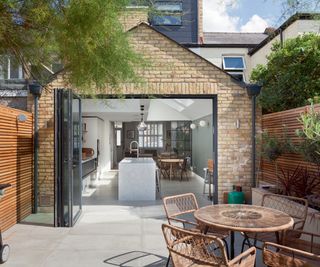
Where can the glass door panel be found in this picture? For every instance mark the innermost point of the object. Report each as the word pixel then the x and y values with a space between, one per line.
pixel 76 151
pixel 68 150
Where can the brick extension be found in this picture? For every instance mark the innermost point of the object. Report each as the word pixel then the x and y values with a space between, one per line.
pixel 174 70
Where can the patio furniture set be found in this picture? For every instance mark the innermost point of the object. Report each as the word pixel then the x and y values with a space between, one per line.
pixel 197 236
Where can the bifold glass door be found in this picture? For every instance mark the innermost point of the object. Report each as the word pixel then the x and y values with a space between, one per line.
pixel 68 167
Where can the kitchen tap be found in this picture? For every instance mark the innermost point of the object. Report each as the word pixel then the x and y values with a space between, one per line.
pixel 134 149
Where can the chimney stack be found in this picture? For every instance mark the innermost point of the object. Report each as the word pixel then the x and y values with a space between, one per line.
pixel 200 21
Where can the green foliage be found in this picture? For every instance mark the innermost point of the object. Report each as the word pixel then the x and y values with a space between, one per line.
pixel 292 74
pixel 86 36
pixel 272 147
pixel 310 134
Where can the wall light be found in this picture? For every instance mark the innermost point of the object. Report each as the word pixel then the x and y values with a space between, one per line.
pixel 237 124
pixel 203 123
pixel 193 126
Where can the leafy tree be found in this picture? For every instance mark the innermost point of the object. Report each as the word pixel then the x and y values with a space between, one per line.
pixel 291 7
pixel 86 36
pixel 292 74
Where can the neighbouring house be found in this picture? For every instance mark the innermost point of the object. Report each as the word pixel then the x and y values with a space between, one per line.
pixel 193 102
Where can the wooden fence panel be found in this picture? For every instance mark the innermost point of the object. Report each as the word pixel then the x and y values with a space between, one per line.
pixel 16 165
pixel 282 124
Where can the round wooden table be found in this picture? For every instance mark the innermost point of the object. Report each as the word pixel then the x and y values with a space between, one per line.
pixel 243 218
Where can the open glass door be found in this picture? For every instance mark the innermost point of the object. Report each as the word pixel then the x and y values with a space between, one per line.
pixel 68 167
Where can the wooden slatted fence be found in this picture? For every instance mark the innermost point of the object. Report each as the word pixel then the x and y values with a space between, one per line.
pixel 16 165
pixel 282 124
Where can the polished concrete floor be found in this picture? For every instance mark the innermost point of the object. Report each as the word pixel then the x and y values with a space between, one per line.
pixel 108 233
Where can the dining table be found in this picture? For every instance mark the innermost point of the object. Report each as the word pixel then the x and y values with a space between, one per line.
pixel 171 162
pixel 242 218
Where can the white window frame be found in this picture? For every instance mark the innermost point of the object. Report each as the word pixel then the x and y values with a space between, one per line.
pixel 8 76
pixel 156 136
pixel 233 56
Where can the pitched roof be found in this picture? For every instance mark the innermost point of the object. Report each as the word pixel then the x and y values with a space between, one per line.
pixel 236 81
pixel 233 38
pixel 286 24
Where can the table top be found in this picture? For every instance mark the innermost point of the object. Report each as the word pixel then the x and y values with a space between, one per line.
pixel 171 160
pixel 245 218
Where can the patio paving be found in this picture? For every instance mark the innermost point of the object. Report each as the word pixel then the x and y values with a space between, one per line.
pixel 116 234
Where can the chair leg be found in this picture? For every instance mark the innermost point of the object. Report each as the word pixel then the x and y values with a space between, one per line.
pixel 168 260
pixel 227 248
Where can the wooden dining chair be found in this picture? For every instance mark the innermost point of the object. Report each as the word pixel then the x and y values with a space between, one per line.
pixel 188 248
pixel 295 207
pixel 164 168
pixel 184 169
pixel 208 174
pixel 275 255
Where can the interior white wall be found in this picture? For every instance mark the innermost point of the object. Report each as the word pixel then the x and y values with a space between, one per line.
pixel 99 129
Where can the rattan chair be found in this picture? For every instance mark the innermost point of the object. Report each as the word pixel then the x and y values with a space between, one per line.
pixel 297 208
pixel 275 255
pixel 188 248
pixel 180 209
pixel 302 240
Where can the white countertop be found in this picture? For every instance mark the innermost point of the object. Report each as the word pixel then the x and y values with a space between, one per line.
pixel 137 160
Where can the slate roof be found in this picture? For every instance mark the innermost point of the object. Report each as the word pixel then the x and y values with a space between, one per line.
pixel 233 38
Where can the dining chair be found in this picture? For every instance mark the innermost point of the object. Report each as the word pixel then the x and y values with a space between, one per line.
pixel 303 240
pixel 164 168
pixel 208 174
pixel 295 207
pixel 275 255
pixel 188 248
pixel 184 169
pixel 180 209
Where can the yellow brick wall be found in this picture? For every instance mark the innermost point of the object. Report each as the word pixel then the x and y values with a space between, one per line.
pixel 175 70
pixel 46 144
pixel 133 17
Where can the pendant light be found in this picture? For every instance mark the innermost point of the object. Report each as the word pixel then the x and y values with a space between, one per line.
pixel 142 126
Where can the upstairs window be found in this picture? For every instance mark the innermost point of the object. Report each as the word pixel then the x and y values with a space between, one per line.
pixel 167 13
pixel 235 66
pixel 10 69
pixel 233 63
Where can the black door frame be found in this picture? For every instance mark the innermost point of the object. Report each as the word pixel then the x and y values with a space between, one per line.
pixel 59 151
pixel 213 97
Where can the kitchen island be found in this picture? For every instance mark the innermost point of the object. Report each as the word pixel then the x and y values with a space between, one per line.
pixel 137 179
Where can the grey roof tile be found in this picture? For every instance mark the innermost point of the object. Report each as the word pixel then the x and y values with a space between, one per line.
pixel 233 38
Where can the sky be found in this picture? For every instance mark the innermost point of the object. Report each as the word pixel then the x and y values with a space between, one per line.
pixel 241 15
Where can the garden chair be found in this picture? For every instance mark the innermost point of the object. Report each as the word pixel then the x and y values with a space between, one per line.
pixel 180 209
pixel 297 208
pixel 275 255
pixel 188 248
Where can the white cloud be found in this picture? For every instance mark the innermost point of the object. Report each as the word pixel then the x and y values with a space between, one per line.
pixel 217 19
pixel 255 24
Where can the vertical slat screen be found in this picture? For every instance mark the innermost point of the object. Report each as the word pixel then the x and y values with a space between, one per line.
pixel 16 165
pixel 280 124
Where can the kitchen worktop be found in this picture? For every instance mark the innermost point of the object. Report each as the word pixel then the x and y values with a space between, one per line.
pixel 137 179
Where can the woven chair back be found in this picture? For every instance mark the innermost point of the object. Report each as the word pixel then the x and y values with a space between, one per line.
pixel 297 208
pixel 188 248
pixel 179 204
